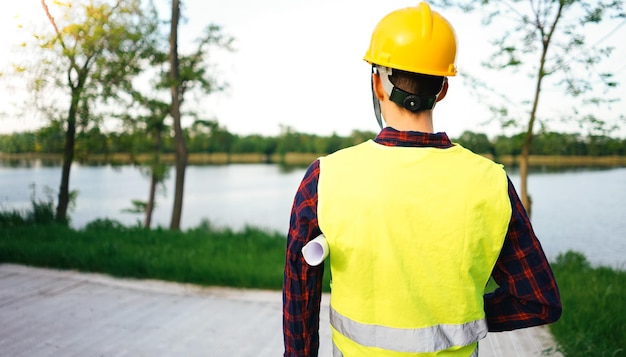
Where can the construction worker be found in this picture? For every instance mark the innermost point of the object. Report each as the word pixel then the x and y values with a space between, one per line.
pixel 415 224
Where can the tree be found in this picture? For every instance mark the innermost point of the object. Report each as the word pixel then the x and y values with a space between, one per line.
pixel 176 90
pixel 95 49
pixel 504 145
pixel 546 39
pixel 188 72
pixel 157 169
pixel 477 142
pixel 150 126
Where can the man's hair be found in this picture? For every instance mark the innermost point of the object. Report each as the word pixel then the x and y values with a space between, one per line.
pixel 422 85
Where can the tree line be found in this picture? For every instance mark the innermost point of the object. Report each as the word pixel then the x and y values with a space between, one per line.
pixel 210 137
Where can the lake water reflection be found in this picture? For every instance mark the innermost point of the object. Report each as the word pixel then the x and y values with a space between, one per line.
pixel 577 209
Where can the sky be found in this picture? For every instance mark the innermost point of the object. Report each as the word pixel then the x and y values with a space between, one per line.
pixel 300 64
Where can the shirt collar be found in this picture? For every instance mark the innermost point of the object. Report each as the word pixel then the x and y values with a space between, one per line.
pixel 392 137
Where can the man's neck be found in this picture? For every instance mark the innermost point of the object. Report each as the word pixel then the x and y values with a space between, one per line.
pixel 404 120
pixel 422 122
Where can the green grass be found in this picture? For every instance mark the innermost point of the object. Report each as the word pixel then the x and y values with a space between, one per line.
pixel 206 255
pixel 594 298
pixel 250 258
pixel 594 308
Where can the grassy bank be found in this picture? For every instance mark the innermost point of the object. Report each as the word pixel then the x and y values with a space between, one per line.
pixel 565 161
pixel 302 159
pixel 593 321
pixel 205 256
pixel 594 308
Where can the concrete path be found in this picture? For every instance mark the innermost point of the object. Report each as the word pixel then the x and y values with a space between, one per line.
pixel 47 312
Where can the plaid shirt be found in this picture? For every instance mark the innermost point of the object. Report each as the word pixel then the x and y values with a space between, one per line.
pixel 527 294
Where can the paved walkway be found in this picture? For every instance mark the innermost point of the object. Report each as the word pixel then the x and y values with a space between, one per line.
pixel 47 312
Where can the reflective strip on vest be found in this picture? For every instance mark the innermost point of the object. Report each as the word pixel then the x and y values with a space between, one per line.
pixel 337 352
pixel 427 339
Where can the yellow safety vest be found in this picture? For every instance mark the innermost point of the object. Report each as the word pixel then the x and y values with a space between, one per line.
pixel 414 234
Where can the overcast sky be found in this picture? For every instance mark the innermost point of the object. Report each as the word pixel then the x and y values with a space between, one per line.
pixel 299 63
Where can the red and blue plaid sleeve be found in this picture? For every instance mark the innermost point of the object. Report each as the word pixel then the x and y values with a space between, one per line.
pixel 527 294
pixel 302 284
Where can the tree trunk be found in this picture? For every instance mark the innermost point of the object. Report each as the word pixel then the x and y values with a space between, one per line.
pixel 528 139
pixel 68 158
pixel 541 73
pixel 150 205
pixel 175 89
pixel 523 173
pixel 154 179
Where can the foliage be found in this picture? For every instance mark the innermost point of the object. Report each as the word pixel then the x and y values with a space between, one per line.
pixel 138 206
pixel 90 54
pixel 593 321
pixel 477 142
pixel 210 137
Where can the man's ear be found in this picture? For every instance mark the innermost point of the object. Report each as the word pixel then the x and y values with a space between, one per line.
pixel 379 90
pixel 444 90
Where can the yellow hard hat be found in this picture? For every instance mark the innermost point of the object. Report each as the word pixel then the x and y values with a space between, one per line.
pixel 414 39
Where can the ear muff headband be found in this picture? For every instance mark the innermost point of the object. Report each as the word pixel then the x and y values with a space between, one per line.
pixel 412 102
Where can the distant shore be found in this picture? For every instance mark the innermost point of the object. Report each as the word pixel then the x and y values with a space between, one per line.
pixel 296 159
pixel 565 161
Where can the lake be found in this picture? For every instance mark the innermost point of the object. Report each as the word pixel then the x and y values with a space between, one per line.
pixel 573 209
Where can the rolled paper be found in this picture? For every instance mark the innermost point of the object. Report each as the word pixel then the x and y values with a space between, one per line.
pixel 315 251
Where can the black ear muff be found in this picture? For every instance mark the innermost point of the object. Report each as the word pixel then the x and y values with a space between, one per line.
pixel 412 103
